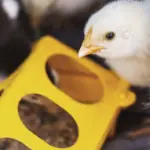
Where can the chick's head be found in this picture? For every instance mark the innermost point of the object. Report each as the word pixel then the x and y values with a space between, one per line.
pixel 119 29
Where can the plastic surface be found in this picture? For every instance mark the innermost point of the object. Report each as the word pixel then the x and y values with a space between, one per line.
pixel 95 121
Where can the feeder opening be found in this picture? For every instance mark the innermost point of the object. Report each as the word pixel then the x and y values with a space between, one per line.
pixel 48 121
pixel 76 80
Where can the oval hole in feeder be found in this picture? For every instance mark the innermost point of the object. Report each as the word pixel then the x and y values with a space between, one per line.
pixel 75 80
pixel 11 144
pixel 48 121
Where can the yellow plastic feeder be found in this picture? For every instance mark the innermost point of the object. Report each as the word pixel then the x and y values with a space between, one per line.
pixel 94 96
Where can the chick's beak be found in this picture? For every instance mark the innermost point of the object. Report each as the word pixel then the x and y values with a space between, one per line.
pixel 84 51
pixel 87 47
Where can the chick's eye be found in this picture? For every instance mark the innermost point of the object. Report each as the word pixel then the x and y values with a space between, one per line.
pixel 110 36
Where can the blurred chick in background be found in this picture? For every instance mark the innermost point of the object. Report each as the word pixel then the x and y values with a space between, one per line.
pixel 16 37
pixel 38 9
pixel 119 32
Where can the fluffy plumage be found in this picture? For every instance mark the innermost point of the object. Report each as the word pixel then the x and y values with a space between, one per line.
pixel 128 53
